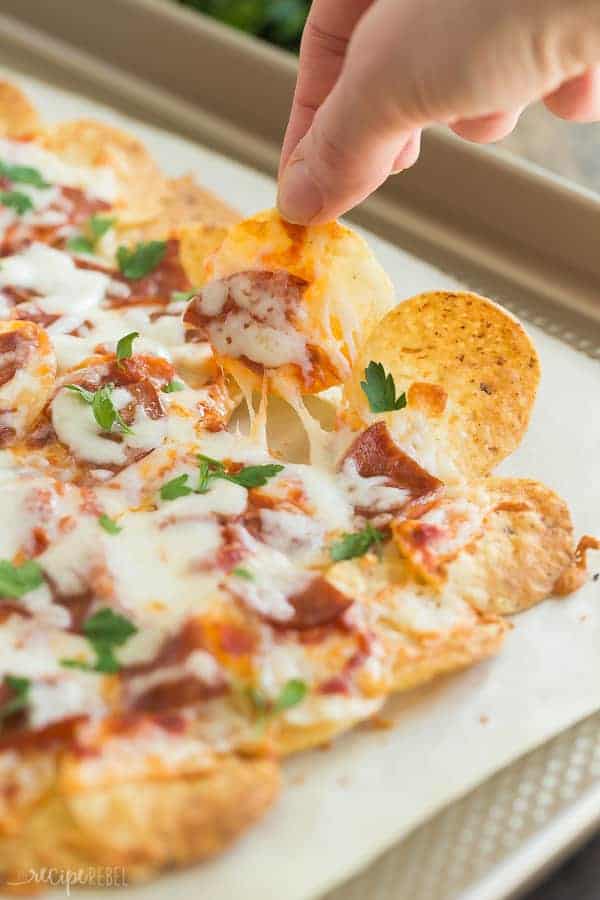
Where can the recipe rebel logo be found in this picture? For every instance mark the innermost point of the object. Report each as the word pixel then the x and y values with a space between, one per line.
pixel 90 876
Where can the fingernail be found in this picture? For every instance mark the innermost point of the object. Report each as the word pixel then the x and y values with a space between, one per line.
pixel 300 198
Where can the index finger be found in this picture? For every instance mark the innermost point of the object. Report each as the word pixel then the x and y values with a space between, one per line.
pixel 328 30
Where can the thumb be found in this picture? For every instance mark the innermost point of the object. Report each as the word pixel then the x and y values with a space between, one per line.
pixel 347 153
pixel 415 62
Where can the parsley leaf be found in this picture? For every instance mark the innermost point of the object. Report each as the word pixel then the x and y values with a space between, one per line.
pixel 293 693
pixel 15 581
pixel 109 524
pixel 253 476
pixel 19 687
pixel 105 412
pixel 248 477
pixel 125 345
pixel 96 226
pixel 105 631
pixel 80 244
pixel 16 200
pixel 22 174
pixel 209 469
pixel 176 487
pixel 141 260
pixel 86 395
pixel 172 387
pixel 183 296
pixel 381 390
pixel 239 572
pixel 99 225
pixel 355 544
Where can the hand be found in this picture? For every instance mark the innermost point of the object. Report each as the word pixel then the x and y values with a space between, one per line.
pixel 374 73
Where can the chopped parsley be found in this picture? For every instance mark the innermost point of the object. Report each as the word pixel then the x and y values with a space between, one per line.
pixel 99 225
pixel 105 630
pixel 105 412
pixel 381 390
pixel 16 200
pixel 19 688
pixel 172 387
pixel 183 296
pixel 356 543
pixel 248 477
pixel 176 487
pixel 125 345
pixel 96 227
pixel 109 524
pixel 239 572
pixel 293 692
pixel 80 244
pixel 140 260
pixel 15 581
pixel 209 469
pixel 22 174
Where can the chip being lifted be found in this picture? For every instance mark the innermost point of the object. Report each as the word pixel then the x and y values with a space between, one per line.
pixel 185 600
pixel 289 300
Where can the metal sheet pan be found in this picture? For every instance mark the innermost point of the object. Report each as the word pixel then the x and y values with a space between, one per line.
pixel 529 240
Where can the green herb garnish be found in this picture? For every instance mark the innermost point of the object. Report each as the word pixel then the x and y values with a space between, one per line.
pixel 125 345
pixel 22 174
pixel 109 524
pixel 248 477
pixel 105 412
pixel 239 572
pixel 293 692
pixel 356 544
pixel 140 260
pixel 80 244
pixel 381 390
pixel 209 469
pixel 176 487
pixel 19 687
pixel 96 227
pixel 16 200
pixel 99 225
pixel 15 581
pixel 172 387
pixel 183 296
pixel 105 631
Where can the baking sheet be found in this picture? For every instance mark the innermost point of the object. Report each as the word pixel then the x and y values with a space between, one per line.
pixel 344 806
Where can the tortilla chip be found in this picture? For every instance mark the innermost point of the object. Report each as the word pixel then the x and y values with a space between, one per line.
pixel 525 547
pixel 344 291
pixel 474 352
pixel 197 243
pixel 18 118
pixel 85 142
pixel 185 206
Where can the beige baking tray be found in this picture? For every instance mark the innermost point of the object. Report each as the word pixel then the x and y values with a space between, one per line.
pixel 502 226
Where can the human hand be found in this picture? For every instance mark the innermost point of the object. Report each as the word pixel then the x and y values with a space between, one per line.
pixel 374 73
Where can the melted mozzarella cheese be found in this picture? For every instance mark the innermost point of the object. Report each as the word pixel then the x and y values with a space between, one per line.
pixel 258 329
pixel 65 291
pixel 99 181
pixel 76 427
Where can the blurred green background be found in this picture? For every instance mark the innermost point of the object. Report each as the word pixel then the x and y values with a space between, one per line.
pixel 278 21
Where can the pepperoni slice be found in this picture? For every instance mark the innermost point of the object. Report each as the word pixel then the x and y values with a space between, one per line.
pixel 16 348
pixel 183 691
pixel 317 605
pixel 75 206
pixel 375 452
pixel 244 290
pixel 52 736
